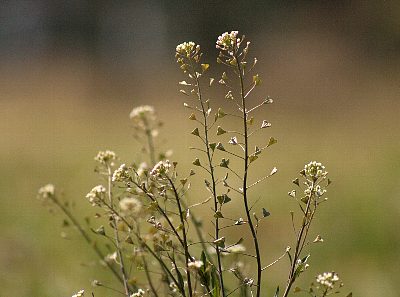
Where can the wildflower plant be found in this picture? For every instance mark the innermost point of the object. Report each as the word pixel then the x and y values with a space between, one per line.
pixel 143 215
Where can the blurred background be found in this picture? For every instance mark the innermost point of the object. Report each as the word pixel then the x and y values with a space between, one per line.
pixel 71 71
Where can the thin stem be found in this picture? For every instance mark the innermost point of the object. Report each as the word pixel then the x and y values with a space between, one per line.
pixel 246 165
pixel 213 182
pixel 299 247
pixel 187 256
pixel 117 242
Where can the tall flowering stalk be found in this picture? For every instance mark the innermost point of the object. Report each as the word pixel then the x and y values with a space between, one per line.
pixel 188 55
pixel 142 217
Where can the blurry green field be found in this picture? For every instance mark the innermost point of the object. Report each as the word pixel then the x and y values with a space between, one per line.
pixel 52 127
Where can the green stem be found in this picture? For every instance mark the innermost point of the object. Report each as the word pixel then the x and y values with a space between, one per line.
pixel 117 242
pixel 213 183
pixel 246 165
pixel 186 247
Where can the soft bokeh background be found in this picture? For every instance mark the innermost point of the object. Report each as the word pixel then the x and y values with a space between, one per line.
pixel 71 71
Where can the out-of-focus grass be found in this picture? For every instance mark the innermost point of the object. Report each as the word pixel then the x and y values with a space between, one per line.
pixel 51 131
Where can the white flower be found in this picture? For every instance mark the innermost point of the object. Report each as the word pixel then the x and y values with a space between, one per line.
pixel 194 265
pixel 315 170
pixel 121 174
pixel 142 112
pixel 328 279
pixel 228 41
pixel 96 194
pixel 186 48
pixel 161 168
pixel 79 294
pixel 139 293
pixel 47 191
pixel 106 157
pixel 130 205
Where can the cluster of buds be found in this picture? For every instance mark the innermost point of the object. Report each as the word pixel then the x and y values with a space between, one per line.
pixel 229 45
pixel 121 174
pixel 96 195
pixel 142 116
pixel 314 171
pixel 106 158
pixel 187 52
pixel 46 192
pixel 328 279
pixel 161 169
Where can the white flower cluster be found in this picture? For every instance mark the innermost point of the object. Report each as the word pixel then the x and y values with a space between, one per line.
pixel 160 168
pixel 141 112
pixel 228 41
pixel 328 279
pixel 121 174
pixel 195 265
pixel 143 116
pixel 318 190
pixel 47 191
pixel 130 205
pixel 96 194
pixel 315 170
pixel 105 157
pixel 139 293
pixel 186 48
pixel 79 294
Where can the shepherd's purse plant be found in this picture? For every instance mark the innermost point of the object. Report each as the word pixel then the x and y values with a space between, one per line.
pixel 143 228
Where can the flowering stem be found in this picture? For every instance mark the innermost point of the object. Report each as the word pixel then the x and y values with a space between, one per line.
pixel 299 244
pixel 213 183
pixel 186 247
pixel 116 235
pixel 246 166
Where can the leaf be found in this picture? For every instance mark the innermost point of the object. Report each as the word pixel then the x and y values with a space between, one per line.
pixel 350 294
pixel 271 141
pixel 100 231
pixel 218 215
pixel 296 182
pixel 266 213
pixel 196 162
pixel 265 124
pixel 224 163
pixel 212 146
pixel 220 131
pixel 220 146
pixel 192 117
pixel 256 79
pixel 273 171
pixel 204 67
pixel 184 83
pixel 195 132
pixel 233 140
pixel 252 158
pixel 184 92
pixel 268 100
pixel 297 290
pixel 277 292
pixel 211 81
pixel 220 113
pixel 223 199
